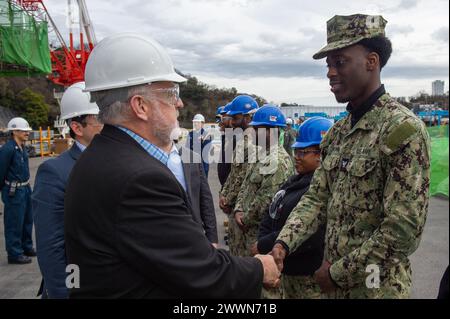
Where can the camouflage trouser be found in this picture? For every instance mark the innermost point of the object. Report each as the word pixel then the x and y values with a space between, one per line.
pixel 247 239
pixel 395 283
pixel 235 239
pixel 299 287
pixel 272 293
pixel 399 292
pixel 231 233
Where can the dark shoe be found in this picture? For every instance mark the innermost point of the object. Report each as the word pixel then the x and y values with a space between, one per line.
pixel 31 253
pixel 20 260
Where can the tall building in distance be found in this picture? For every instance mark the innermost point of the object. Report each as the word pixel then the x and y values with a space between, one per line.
pixel 437 88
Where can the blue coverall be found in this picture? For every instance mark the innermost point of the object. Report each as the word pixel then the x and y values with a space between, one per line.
pixel 18 219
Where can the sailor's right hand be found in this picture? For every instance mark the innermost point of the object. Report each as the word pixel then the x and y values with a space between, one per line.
pixel 279 253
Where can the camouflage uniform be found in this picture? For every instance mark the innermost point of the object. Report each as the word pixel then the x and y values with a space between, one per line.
pixel 371 190
pixel 272 293
pixel 343 31
pixel 289 138
pixel 262 181
pixel 299 287
pixel 233 184
pixel 293 287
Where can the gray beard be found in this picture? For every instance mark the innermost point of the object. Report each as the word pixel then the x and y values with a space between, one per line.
pixel 165 134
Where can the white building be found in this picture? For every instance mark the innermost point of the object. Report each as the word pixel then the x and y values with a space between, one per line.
pixel 437 88
pixel 294 112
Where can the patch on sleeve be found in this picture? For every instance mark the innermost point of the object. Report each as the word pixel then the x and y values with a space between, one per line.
pixel 399 135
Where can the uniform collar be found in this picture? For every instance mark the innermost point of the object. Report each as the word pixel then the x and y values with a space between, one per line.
pixel 358 113
pixel 369 119
pixel 17 146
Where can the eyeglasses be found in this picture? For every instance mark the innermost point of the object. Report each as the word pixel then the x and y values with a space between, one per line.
pixel 171 95
pixel 94 121
pixel 302 153
pixel 94 124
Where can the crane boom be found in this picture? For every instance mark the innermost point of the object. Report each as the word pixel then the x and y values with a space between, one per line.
pixel 86 22
pixel 68 63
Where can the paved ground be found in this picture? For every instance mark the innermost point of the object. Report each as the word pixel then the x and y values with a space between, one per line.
pixel 429 261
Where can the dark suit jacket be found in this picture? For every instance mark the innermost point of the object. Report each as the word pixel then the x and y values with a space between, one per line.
pixel 48 213
pixel 199 193
pixel 129 228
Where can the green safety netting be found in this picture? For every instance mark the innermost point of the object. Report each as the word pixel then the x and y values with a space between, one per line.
pixel 24 48
pixel 439 160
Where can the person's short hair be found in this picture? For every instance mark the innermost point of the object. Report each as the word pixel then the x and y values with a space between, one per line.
pixel 114 103
pixel 79 119
pixel 381 46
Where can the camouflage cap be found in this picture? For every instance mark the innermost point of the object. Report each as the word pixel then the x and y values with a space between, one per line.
pixel 344 31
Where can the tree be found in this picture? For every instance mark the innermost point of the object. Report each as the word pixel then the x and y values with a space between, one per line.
pixel 32 107
pixel 6 94
pixel 202 98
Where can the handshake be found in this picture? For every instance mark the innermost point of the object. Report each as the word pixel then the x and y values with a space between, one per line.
pixel 271 272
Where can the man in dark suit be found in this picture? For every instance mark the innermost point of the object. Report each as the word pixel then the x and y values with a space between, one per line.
pixel 199 192
pixel 48 194
pixel 129 222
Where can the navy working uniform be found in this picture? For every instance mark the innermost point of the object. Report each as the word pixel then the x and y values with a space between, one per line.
pixel 16 191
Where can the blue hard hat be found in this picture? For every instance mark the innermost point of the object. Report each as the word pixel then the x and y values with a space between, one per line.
pixel 219 110
pixel 226 109
pixel 218 113
pixel 312 131
pixel 268 115
pixel 242 104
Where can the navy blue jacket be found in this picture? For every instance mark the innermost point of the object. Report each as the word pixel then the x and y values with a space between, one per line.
pixel 308 257
pixel 48 213
pixel 13 164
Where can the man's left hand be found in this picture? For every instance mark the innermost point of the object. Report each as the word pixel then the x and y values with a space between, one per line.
pixel 323 278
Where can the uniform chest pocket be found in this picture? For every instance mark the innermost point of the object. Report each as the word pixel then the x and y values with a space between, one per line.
pixel 331 166
pixel 363 183
pixel 330 162
pixel 19 158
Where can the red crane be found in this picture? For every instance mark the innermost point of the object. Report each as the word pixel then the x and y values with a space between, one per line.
pixel 68 63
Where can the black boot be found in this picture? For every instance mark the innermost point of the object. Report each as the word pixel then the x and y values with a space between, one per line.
pixel 31 253
pixel 19 260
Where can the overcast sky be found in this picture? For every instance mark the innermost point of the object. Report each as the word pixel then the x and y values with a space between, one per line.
pixel 265 47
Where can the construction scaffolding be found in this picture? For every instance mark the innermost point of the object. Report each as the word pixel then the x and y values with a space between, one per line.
pixel 24 48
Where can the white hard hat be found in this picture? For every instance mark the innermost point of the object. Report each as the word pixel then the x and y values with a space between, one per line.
pixel 128 59
pixel 198 118
pixel 18 124
pixel 75 102
pixel 289 121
